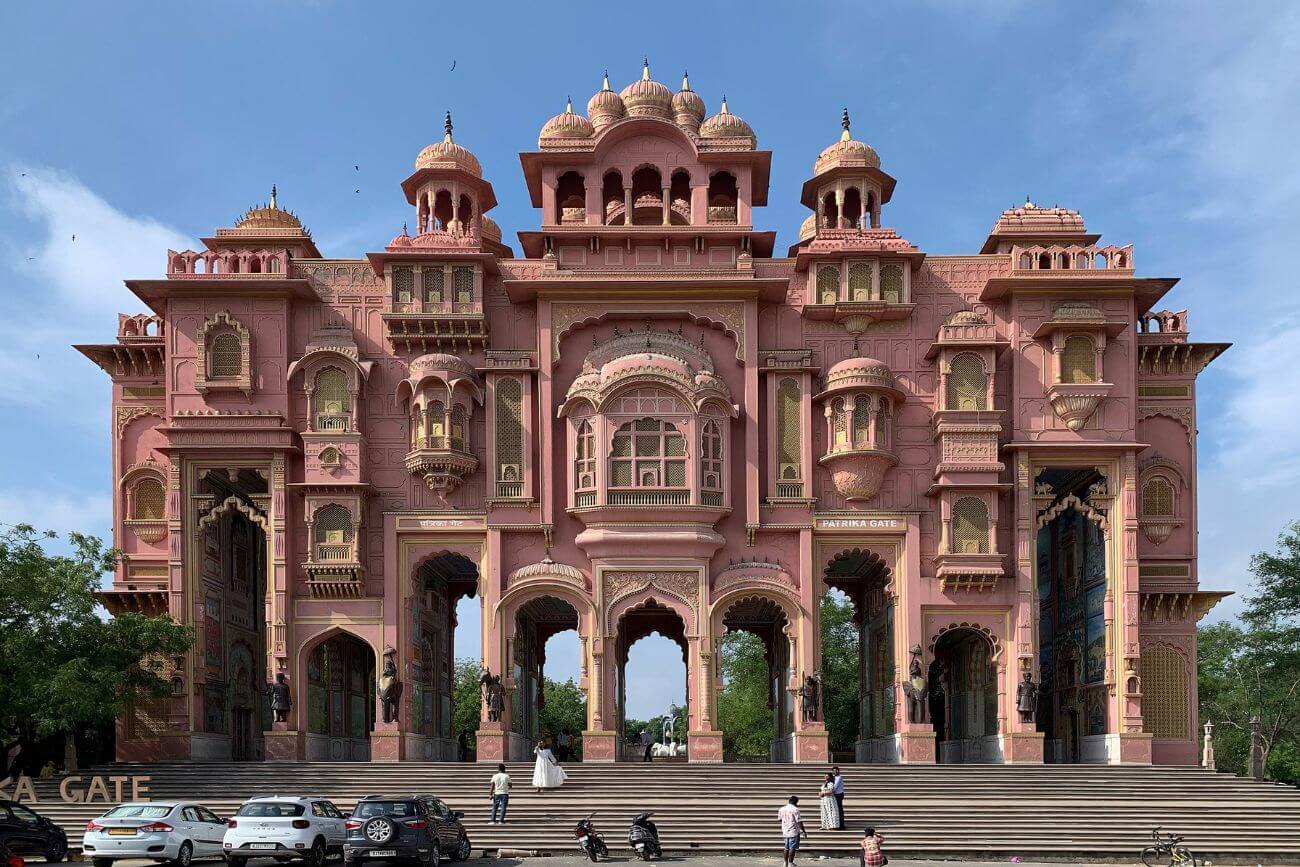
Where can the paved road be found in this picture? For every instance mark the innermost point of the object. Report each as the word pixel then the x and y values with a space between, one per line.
pixel 673 859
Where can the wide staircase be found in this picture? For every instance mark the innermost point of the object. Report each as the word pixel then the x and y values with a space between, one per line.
pixel 962 811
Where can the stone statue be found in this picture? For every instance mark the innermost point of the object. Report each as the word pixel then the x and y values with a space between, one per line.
pixel 915 688
pixel 281 697
pixel 810 697
pixel 1027 697
pixel 493 694
pixel 670 724
pixel 390 688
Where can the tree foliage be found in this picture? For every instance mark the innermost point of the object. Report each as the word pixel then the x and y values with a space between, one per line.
pixel 744 711
pixel 467 700
pixel 565 708
pixel 842 697
pixel 65 667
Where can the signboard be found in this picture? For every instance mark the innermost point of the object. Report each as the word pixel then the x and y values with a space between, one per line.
pixel 410 523
pixel 76 789
pixel 864 524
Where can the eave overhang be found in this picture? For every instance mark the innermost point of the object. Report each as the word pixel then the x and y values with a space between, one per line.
pixel 156 293
pixel 1146 290
pixel 487 259
pixel 808 195
pixel 533 241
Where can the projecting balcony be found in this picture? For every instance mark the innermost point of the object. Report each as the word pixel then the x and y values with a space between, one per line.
pixel 332 422
pixel 442 462
pixel 334 570
pixel 622 504
pixel 858 473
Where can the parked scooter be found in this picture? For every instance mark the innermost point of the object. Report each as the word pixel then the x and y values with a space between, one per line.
pixel 589 840
pixel 643 837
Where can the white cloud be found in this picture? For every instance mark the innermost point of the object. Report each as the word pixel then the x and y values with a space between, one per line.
pixel 62 513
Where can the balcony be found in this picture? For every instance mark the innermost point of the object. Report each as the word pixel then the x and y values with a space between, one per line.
pixel 789 490
pixel 858 473
pixel 442 462
pixel 510 490
pixel 648 497
pixel 332 422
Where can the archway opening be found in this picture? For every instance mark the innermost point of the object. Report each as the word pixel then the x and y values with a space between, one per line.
pixel 857 657
pixel 340 699
pixel 549 702
pixel 647 197
pixel 571 199
pixel 964 697
pixel 1073 710
pixel 611 199
pixel 445 650
pixel 755 707
pixel 651 679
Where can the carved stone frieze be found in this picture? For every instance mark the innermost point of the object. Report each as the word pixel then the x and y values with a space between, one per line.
pixel 682 585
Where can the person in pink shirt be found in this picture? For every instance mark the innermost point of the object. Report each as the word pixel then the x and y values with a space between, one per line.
pixel 791 828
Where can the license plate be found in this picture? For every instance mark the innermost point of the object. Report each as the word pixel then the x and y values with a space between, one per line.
pixel 261 845
pixel 384 853
pixel 640 846
pixel 121 832
pixel 582 839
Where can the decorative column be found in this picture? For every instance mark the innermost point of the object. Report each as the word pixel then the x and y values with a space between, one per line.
pixel 1207 748
pixel 493 735
pixel 1134 742
pixel 627 206
pixel 666 203
pixel 915 736
pixel 281 743
pixel 1022 743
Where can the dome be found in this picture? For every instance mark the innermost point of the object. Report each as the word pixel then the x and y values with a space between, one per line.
pixel 568 124
pixel 646 97
pixel 860 372
pixel 446 154
pixel 688 108
pixel 966 317
pixel 269 216
pixel 606 106
pixel 489 229
pixel 808 228
pixel 724 124
pixel 848 151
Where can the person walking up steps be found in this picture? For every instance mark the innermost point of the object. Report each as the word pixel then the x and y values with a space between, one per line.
pixel 839 794
pixel 547 773
pixel 500 794
pixel 791 828
pixel 648 742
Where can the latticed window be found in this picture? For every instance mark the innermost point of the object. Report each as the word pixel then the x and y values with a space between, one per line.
pixel 226 355
pixel 1078 359
pixel 839 425
pixel 711 457
pixel 970 526
pixel 463 280
pixel 891 283
pixel 1165 693
pixel 861 422
pixel 435 422
pixel 149 501
pixel 968 383
pixel 828 284
pixel 333 533
pixel 432 288
pixel 1158 498
pixel 330 398
pixel 458 419
pixel 860 281
pixel 882 424
pixel 648 453
pixel 510 430
pixel 403 284
pixel 788 446
pixel 584 464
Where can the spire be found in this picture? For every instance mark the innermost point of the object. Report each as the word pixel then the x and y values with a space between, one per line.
pixel 568 105
pixel 446 125
pixel 724 105
pixel 645 68
pixel 844 124
pixel 273 204
pixel 686 80
pixel 605 85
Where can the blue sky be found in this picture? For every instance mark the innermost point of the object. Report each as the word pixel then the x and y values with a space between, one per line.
pixel 140 126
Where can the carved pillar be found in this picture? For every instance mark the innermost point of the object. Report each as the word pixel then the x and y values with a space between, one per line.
pixel 666 203
pixel 1022 743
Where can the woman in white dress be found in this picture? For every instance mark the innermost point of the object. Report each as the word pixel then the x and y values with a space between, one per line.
pixel 547 773
pixel 830 807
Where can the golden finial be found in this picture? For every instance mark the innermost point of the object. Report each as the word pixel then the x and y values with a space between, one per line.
pixel 645 68
pixel 1029 206
pixel 568 105
pixel 273 204
pixel 724 105
pixel 446 125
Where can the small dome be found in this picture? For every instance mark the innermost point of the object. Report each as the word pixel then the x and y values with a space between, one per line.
pixel 568 124
pixel 724 124
pixel 848 151
pixel 688 108
pixel 808 228
pixel 646 97
pixel 860 372
pixel 606 106
pixel 446 154
pixel 269 216
pixel 489 229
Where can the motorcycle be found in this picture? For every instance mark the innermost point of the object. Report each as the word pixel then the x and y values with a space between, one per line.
pixel 589 839
pixel 643 837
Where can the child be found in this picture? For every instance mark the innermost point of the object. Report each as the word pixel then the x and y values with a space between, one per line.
pixel 872 853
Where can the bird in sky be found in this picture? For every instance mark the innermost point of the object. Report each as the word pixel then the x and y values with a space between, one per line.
pixel 74 237
pixel 453 66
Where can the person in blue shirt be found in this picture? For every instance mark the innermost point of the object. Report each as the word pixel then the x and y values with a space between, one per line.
pixel 839 793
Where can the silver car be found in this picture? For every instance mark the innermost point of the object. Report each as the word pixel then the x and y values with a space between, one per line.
pixel 163 831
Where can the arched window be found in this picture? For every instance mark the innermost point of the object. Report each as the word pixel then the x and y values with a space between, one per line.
pixel 432 287
pixel 839 426
pixel 584 457
pixel 403 285
pixel 862 422
pixel 828 284
pixel 330 400
pixel 723 196
pixel 860 281
pixel 510 438
pixel 1157 498
pixel 435 424
pixel 333 533
pixel 648 453
pixel 830 212
pixel 882 424
pixel 463 281
pixel 1078 359
pixel 458 419
pixel 330 457
pixel 891 283
pixel 1165 687
pixel 611 197
pixel 853 208
pixel 967 384
pixel 970 526
pixel 647 197
pixel 711 463
pixel 148 501
pixel 442 211
pixel 225 358
pixel 570 199
pixel 789 439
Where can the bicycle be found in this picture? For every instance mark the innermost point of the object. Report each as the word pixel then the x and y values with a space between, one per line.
pixel 1167 852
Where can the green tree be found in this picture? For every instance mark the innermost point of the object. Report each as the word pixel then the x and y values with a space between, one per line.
pixel 744 714
pixel 841 684
pixel 66 668
pixel 467 701
pixel 564 710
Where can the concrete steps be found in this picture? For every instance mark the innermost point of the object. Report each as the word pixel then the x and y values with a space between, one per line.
pixel 946 811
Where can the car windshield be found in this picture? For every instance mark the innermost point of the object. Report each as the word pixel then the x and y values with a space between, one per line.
pixel 138 811
pixel 396 809
pixel 271 808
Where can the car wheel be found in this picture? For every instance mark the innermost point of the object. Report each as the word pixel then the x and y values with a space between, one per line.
pixel 463 848
pixel 102 862
pixel 184 855
pixel 317 856
pixel 435 856
pixel 57 851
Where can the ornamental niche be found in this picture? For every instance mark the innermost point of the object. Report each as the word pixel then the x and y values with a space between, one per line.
pixel 859 403
pixel 440 392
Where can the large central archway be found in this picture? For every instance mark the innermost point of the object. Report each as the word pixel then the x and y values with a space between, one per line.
pixel 340 698
pixel 647 619
pixel 536 623
pixel 755 645
pixel 446 593
pixel 964 697
pixel 858 656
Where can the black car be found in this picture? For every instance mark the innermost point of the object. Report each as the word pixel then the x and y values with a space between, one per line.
pixel 26 833
pixel 411 827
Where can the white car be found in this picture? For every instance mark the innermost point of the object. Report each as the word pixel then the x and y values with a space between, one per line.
pixel 172 831
pixel 283 827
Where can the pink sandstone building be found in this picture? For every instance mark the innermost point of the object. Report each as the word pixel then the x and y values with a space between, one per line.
pixel 650 422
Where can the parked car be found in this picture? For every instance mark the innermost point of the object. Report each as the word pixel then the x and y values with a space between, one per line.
pixel 24 832
pixel 284 827
pixel 162 831
pixel 412 827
